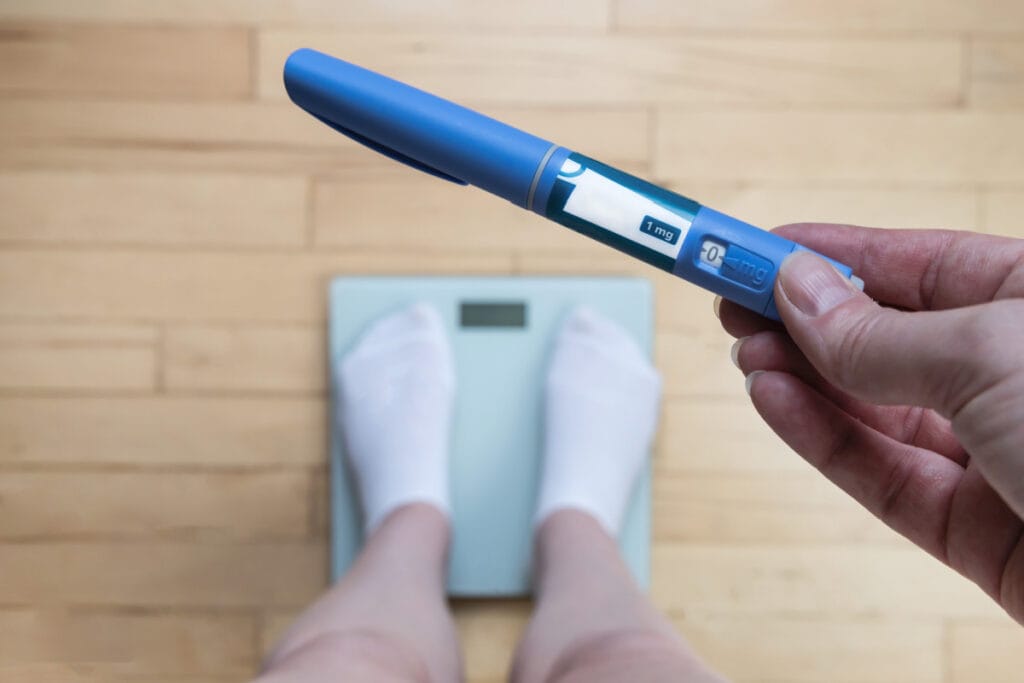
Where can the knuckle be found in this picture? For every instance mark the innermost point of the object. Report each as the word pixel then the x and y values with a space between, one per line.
pixel 853 349
pixel 991 427
pixel 990 348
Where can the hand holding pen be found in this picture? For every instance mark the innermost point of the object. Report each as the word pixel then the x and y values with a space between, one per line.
pixel 916 411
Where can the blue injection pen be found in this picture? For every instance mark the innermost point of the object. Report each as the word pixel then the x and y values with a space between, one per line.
pixel 710 249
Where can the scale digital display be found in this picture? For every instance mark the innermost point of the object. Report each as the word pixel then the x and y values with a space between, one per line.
pixel 492 314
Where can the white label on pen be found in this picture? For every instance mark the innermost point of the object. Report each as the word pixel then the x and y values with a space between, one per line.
pixel 609 205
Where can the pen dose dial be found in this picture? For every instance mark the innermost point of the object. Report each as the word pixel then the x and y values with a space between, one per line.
pixel 712 253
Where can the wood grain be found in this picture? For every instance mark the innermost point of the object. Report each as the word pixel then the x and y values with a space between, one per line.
pixel 245 137
pixel 1003 212
pixel 139 505
pixel 164 62
pixel 751 447
pixel 163 574
pixel 246 358
pixel 985 650
pixel 772 204
pixel 855 650
pixel 787 507
pixel 525 14
pixel 127 643
pixel 169 208
pixel 77 357
pixel 161 431
pixel 897 148
pixel 560 69
pixel 841 579
pixel 200 285
pixel 170 222
pixel 873 17
pixel 997 74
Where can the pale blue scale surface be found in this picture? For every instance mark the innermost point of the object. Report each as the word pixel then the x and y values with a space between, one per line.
pixel 497 432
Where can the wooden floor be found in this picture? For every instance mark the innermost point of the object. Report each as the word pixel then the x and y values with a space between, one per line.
pixel 168 224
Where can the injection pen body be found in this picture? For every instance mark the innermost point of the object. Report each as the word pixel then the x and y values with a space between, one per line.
pixel 733 259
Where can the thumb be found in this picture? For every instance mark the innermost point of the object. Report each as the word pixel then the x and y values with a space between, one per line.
pixel 936 359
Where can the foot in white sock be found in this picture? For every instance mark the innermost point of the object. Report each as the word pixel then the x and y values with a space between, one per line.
pixel 602 399
pixel 396 388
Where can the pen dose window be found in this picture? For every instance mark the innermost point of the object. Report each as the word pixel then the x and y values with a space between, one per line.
pixel 492 314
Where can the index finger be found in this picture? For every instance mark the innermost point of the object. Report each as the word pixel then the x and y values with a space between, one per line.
pixel 920 269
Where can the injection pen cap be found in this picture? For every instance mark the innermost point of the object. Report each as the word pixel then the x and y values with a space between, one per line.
pixel 425 131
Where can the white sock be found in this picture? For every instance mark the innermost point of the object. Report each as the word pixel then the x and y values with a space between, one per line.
pixel 601 411
pixel 397 387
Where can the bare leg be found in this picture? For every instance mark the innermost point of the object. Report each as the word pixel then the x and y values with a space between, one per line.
pixel 387 619
pixel 591 622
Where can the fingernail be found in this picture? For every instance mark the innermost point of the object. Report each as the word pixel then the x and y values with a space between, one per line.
pixel 750 380
pixel 734 352
pixel 813 285
pixel 717 304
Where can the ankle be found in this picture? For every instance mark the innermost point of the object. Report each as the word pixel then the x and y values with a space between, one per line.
pixel 415 519
pixel 570 525
pixel 572 548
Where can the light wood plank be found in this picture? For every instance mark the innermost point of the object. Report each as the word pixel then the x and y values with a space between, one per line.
pixel 261 136
pixel 697 364
pixel 162 431
pixel 840 147
pixel 272 627
pixel 320 499
pixel 152 157
pixel 768 205
pixel 95 505
pixel 78 333
pixel 96 122
pixel 842 580
pixel 817 648
pixel 1003 212
pixel 489 631
pixel 989 651
pixel 153 166
pixel 125 643
pixel 161 62
pixel 787 507
pixel 421 212
pixel 58 207
pixel 457 14
pixel 50 673
pixel 699 435
pixel 808 16
pixel 186 575
pixel 246 358
pixel 575 69
pixel 78 673
pixel 202 285
pixel 76 357
pixel 997 74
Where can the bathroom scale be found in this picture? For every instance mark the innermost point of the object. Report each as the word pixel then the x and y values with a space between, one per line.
pixel 501 330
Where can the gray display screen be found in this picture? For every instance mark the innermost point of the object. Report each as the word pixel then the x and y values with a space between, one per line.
pixel 492 314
